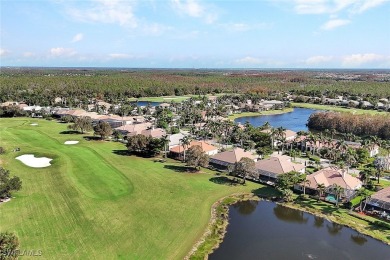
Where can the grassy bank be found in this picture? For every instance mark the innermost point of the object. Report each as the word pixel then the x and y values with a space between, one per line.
pixel 219 221
pixel 339 109
pixel 96 202
pixel 364 224
pixel 263 113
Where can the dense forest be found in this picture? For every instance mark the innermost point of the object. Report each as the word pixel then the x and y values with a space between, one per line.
pixel 42 86
pixel 362 125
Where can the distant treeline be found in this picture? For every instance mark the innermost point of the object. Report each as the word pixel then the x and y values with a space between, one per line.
pixel 362 125
pixel 42 86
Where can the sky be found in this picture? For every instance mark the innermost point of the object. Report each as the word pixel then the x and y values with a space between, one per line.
pixel 196 33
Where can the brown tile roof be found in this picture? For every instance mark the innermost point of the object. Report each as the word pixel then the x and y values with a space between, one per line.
pixel 134 129
pixel 279 165
pixel 155 133
pixel 333 176
pixel 382 195
pixel 205 147
pixel 233 156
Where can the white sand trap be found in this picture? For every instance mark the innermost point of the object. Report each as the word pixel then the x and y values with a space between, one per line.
pixel 32 161
pixel 34 124
pixel 71 142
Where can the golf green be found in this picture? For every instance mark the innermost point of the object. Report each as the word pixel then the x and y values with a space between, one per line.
pixel 93 202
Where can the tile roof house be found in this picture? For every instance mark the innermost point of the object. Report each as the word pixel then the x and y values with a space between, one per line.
pixel 154 132
pixel 380 200
pixel 177 152
pixel 224 159
pixel 133 129
pixel 269 169
pixel 330 177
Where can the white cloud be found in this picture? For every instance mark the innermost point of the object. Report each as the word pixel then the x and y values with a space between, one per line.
pixel 3 52
pixel 249 61
pixel 78 37
pixel 62 52
pixel 244 27
pixel 369 4
pixel 29 54
pixel 334 23
pixel 334 6
pixel 355 60
pixel 195 9
pixel 120 56
pixel 315 60
pixel 155 29
pixel 106 11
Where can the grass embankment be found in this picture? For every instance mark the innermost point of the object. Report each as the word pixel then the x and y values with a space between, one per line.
pixel 219 221
pixel 94 202
pixel 339 109
pixel 263 113
pixel 364 224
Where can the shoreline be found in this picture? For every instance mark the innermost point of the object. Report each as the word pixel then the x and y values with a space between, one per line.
pixel 219 221
pixel 335 219
pixel 338 109
pixel 263 113
pixel 216 228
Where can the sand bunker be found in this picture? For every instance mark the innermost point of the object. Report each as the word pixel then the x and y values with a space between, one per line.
pixel 71 142
pixel 32 161
pixel 34 124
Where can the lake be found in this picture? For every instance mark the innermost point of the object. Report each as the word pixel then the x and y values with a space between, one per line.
pixel 145 103
pixel 266 230
pixel 295 120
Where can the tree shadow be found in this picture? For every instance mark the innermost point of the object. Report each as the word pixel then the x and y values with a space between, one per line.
pixel 92 138
pixel 179 168
pixel 70 132
pixel 267 192
pixel 121 152
pixel 223 180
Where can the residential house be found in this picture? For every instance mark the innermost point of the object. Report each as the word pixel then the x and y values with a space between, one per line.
pixel 154 132
pixel 177 152
pixel 331 177
pixel 269 169
pixel 134 129
pixel 229 158
pixel 380 201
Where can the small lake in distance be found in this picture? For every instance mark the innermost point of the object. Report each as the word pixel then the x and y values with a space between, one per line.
pixel 295 120
pixel 266 230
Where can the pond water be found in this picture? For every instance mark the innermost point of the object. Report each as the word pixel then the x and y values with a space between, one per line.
pixel 265 230
pixel 295 120
pixel 145 103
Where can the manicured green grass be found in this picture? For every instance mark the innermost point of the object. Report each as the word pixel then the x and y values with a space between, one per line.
pixel 264 113
pixel 339 109
pixel 94 203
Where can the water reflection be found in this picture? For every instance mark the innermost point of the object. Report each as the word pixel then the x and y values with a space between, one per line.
pixel 290 215
pixel 359 239
pixel 334 228
pixel 318 222
pixel 246 207
pixel 265 230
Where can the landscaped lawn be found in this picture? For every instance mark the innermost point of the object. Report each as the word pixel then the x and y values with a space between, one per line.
pixel 93 202
pixel 339 109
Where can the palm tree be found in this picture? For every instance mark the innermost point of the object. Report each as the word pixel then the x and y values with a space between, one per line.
pixel 364 194
pixel 185 141
pixel 338 190
pixel 165 140
pixel 321 189
pixel 305 182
